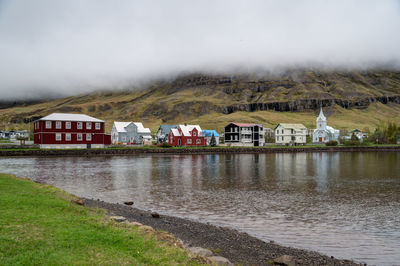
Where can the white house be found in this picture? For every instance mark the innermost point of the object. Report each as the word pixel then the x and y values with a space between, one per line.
pixel 129 133
pixel 239 134
pixel 290 134
pixel 324 133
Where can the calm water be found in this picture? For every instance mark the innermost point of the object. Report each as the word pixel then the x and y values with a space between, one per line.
pixel 341 204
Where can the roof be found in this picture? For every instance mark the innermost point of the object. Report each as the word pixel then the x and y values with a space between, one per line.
pixel 167 128
pixel 120 126
pixel 141 128
pixel 175 132
pixel 209 133
pixel 321 116
pixel 294 126
pixel 187 128
pixel 70 117
pixel 247 125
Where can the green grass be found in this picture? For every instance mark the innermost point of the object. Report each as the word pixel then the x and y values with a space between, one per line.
pixel 40 226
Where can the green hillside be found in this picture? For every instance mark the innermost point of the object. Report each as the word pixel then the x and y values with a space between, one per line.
pixel 350 99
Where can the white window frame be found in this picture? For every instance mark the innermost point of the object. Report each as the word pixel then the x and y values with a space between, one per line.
pixel 194 134
pixel 58 124
pixel 189 141
pixel 79 137
pixel 68 125
pixel 79 125
pixel 67 136
pixel 58 136
pixel 198 141
pixel 89 136
pixel 48 124
pixel 98 126
pixel 88 125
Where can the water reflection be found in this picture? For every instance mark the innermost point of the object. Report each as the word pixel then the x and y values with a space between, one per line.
pixel 342 204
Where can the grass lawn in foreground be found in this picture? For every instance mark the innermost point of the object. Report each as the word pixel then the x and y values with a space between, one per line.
pixel 40 226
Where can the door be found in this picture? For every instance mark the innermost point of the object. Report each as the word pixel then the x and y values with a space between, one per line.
pixel 256 143
pixel 320 139
pixel 179 142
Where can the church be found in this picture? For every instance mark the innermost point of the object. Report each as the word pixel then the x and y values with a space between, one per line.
pixel 324 133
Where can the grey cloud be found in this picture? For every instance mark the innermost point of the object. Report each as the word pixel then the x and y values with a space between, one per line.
pixel 74 46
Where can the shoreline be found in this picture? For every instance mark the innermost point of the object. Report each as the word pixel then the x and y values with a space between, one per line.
pixel 10 152
pixel 237 247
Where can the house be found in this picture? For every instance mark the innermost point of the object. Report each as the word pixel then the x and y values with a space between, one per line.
pixel 290 134
pixel 239 134
pixel 186 135
pixel 208 135
pixel 128 133
pixel 70 131
pixel 324 133
pixel 163 132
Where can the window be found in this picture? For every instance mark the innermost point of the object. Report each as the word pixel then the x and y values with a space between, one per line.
pixel 198 141
pixel 68 125
pixel 58 124
pixel 292 131
pixel 88 136
pixel 79 137
pixel 48 124
pixel 282 131
pixel 97 126
pixel 79 125
pixel 58 137
pixel 88 125
pixel 68 137
pixel 189 141
pixel 194 134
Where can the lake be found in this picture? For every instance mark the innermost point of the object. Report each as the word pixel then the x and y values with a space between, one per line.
pixel 345 204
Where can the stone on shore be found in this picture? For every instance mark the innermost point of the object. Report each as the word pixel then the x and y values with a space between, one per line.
pixel 285 260
pixel 128 202
pixel 198 251
pixel 118 219
pixel 147 228
pixel 78 201
pixel 135 224
pixel 218 260
pixel 155 215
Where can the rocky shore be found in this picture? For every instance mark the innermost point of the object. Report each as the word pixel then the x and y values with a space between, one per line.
pixel 238 248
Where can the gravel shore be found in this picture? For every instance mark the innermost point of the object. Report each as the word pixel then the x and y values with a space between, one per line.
pixel 239 248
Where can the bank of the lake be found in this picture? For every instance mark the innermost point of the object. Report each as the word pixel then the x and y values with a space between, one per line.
pixel 39 225
pixel 29 151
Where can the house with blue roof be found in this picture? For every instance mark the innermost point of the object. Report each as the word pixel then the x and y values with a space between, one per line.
pixel 208 135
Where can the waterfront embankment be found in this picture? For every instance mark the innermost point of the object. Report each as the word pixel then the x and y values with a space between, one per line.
pixel 8 151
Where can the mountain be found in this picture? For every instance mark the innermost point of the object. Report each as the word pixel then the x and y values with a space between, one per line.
pixel 350 100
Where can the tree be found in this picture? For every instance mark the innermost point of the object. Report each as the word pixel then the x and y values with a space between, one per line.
pixel 213 142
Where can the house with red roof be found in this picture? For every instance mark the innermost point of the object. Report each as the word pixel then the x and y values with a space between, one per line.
pixel 186 135
pixel 70 131
pixel 241 134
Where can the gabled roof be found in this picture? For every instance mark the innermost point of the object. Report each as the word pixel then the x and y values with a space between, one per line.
pixel 247 125
pixel 294 126
pixel 175 132
pixel 209 133
pixel 167 128
pixel 141 128
pixel 321 116
pixel 187 128
pixel 120 126
pixel 70 117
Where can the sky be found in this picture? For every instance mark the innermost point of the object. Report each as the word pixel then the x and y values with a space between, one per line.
pixel 54 47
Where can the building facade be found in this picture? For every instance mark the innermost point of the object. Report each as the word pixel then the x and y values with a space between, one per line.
pixel 130 133
pixel 186 135
pixel 324 133
pixel 238 134
pixel 163 133
pixel 70 131
pixel 290 134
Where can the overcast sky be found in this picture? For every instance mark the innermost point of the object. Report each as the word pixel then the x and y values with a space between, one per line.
pixel 74 46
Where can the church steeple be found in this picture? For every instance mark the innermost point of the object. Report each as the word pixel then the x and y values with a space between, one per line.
pixel 321 120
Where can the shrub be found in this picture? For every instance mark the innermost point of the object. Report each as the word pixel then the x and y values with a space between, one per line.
pixel 164 145
pixel 331 143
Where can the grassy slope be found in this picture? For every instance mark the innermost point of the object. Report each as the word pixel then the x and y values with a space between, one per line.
pixel 189 102
pixel 39 225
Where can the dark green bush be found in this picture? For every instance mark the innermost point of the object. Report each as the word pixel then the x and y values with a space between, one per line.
pixel 164 145
pixel 331 143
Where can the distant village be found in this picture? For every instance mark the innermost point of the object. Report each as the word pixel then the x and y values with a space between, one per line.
pixel 77 131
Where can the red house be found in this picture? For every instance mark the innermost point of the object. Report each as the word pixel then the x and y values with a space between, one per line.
pixel 70 131
pixel 187 135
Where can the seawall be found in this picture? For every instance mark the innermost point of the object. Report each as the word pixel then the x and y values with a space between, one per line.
pixel 217 150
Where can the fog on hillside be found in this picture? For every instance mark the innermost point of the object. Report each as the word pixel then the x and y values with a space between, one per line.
pixel 52 47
